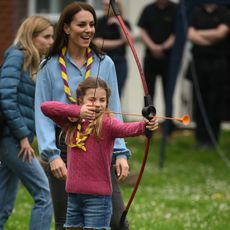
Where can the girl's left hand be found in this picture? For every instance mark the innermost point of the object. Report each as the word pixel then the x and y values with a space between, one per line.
pixel 151 124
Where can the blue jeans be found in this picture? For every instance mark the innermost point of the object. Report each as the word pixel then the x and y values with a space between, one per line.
pixel 59 197
pixel 88 211
pixel 33 177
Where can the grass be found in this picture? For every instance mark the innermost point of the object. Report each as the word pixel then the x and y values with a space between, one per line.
pixel 191 191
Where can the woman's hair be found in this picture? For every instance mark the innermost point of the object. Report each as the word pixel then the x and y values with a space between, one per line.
pixel 66 17
pixel 29 29
pixel 90 83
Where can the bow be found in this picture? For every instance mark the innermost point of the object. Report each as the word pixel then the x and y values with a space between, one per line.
pixel 148 111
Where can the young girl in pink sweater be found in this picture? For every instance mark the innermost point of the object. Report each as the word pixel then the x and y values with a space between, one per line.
pixel 90 133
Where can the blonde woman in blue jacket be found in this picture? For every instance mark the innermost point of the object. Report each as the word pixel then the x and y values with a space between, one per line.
pixel 17 90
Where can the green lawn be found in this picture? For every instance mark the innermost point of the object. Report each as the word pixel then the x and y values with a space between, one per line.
pixel 191 192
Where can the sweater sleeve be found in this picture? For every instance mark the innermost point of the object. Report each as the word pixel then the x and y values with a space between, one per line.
pixel 118 129
pixel 59 112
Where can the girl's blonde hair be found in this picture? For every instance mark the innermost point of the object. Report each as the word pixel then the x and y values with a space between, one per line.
pixel 29 29
pixel 90 83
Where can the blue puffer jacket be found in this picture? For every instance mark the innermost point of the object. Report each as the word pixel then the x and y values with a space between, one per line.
pixel 17 92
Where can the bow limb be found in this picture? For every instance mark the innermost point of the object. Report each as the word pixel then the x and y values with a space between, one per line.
pixel 130 42
pixel 147 111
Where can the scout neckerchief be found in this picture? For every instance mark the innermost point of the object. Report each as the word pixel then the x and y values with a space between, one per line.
pixel 81 137
pixel 62 63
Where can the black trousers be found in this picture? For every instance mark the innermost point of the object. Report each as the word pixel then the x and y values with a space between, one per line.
pixel 210 73
pixel 59 198
pixel 152 69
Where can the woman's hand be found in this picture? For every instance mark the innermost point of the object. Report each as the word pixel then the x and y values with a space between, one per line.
pixel 26 152
pixel 151 124
pixel 122 168
pixel 58 168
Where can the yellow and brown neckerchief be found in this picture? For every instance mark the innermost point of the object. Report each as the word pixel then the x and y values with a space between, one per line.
pixel 62 63
pixel 80 136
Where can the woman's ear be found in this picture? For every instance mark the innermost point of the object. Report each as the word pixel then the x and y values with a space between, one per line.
pixel 66 29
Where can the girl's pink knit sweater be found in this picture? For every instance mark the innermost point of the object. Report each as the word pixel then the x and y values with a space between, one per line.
pixel 89 172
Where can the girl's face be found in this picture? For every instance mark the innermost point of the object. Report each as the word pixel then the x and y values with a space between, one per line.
pixel 81 29
pixel 44 40
pixel 97 98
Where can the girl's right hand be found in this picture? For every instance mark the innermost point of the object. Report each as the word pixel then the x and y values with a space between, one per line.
pixel 88 112
pixel 26 152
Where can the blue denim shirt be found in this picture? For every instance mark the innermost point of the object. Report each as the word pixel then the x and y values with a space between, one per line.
pixel 50 87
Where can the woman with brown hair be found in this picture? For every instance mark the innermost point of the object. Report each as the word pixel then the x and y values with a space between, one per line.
pixel 73 58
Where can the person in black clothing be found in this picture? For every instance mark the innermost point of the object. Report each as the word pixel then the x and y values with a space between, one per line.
pixel 226 103
pixel 157 30
pixel 111 38
pixel 208 33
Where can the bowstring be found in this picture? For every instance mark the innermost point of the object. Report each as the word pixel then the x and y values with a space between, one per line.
pixel 99 65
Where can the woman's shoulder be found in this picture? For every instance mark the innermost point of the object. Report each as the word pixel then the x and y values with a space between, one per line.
pixel 104 59
pixel 14 51
pixel 13 57
pixel 49 62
